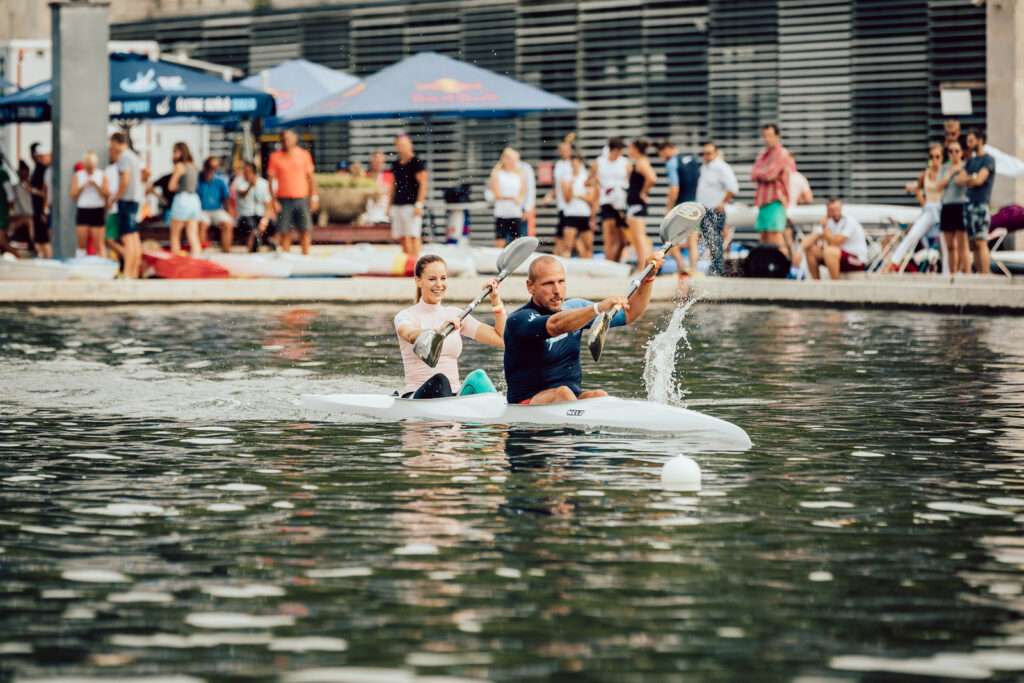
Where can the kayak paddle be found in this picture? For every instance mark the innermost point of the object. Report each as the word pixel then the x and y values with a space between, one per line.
pixel 676 225
pixel 428 344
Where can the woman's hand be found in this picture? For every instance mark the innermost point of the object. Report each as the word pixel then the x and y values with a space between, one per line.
pixel 456 323
pixel 495 299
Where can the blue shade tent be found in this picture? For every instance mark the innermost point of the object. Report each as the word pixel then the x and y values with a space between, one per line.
pixel 429 85
pixel 296 85
pixel 144 89
pixel 4 85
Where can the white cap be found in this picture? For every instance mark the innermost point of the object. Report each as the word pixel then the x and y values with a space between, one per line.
pixel 43 148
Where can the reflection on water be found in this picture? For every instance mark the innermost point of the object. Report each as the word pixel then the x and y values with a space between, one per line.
pixel 169 512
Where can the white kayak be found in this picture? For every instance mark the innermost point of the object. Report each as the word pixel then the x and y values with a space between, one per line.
pixel 484 259
pixel 90 268
pixel 316 266
pixel 605 412
pixel 33 269
pixel 250 265
pixel 744 215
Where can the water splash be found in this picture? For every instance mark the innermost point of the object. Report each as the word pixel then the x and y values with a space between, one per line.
pixel 660 378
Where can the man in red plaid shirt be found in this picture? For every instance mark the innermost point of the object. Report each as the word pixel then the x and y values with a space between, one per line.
pixel 770 175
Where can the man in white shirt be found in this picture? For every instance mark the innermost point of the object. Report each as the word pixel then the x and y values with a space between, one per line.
pixel 716 186
pixel 839 243
pixel 255 207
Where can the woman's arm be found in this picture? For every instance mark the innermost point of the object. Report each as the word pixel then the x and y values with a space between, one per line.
pixel 521 197
pixel 105 187
pixel 179 170
pixel 75 189
pixel 494 187
pixel 650 177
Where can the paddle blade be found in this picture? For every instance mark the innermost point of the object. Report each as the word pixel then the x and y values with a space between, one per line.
pixel 681 221
pixel 428 346
pixel 598 331
pixel 512 256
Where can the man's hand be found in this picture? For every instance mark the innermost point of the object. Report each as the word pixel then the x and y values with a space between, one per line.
pixel 314 203
pixel 613 301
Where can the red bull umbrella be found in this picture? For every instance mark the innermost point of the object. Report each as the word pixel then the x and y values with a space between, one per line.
pixel 429 84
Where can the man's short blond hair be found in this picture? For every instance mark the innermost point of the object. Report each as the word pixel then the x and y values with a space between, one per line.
pixel 538 262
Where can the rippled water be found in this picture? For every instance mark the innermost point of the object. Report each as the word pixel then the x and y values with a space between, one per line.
pixel 169 513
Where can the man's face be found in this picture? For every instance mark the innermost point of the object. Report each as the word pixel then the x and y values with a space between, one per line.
pixel 972 142
pixel 835 210
pixel 213 166
pixel 248 173
pixel 289 139
pixel 564 150
pixel 665 154
pixel 614 153
pixel 548 287
pixel 403 146
pixel 45 159
pixel 377 160
pixel 952 131
pixel 709 153
pixel 771 138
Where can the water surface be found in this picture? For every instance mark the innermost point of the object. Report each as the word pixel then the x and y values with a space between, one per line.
pixel 170 513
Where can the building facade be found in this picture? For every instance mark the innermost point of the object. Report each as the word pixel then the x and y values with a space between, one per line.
pixel 853 84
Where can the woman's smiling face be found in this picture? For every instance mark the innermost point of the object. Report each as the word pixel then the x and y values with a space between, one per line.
pixel 433 283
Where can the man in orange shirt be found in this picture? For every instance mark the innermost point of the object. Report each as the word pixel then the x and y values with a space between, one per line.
pixel 290 171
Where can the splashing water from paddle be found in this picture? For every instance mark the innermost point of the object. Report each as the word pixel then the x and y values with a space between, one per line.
pixel 660 362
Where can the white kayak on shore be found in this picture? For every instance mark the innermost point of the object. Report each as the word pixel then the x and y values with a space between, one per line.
pixel 90 268
pixel 605 412
pixel 250 265
pixel 32 269
pixel 745 215
pixel 318 266
pixel 484 259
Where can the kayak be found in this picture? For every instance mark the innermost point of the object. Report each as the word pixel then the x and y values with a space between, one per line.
pixel 484 259
pixel 90 268
pixel 250 265
pixel 33 269
pixel 176 267
pixel 605 412
pixel 318 266
pixel 744 215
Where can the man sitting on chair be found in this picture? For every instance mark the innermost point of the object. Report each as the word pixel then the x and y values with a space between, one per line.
pixel 839 243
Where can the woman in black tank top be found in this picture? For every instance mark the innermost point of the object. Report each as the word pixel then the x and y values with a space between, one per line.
pixel 641 179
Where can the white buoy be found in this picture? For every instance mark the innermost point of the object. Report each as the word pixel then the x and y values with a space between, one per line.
pixel 681 474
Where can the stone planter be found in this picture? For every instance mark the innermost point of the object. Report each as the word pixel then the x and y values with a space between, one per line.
pixel 344 205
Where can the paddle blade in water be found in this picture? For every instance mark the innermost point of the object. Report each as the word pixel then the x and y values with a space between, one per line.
pixel 512 256
pixel 428 347
pixel 680 221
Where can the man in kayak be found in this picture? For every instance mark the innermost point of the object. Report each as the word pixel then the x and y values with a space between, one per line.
pixel 542 338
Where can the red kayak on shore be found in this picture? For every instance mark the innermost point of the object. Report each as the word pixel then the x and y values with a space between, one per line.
pixel 173 267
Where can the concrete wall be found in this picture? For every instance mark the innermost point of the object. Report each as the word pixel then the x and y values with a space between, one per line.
pixel 1005 75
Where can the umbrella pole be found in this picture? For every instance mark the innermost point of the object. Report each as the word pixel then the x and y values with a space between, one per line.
pixel 430 171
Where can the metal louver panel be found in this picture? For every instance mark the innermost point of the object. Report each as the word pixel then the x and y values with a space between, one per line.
pixel 854 84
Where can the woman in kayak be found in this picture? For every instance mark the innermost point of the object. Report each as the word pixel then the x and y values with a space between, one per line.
pixel 421 380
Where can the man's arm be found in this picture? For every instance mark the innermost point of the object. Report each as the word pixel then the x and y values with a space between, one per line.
pixel 314 196
pixel 421 194
pixel 979 179
pixel 578 318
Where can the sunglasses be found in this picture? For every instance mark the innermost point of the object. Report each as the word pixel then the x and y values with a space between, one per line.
pixel 934 156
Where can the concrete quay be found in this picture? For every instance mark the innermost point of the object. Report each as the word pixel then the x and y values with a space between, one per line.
pixel 963 294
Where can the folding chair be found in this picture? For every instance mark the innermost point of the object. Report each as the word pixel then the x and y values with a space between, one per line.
pixel 998 234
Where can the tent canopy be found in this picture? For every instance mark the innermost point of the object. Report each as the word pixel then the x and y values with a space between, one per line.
pixel 141 88
pixel 429 84
pixel 297 84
